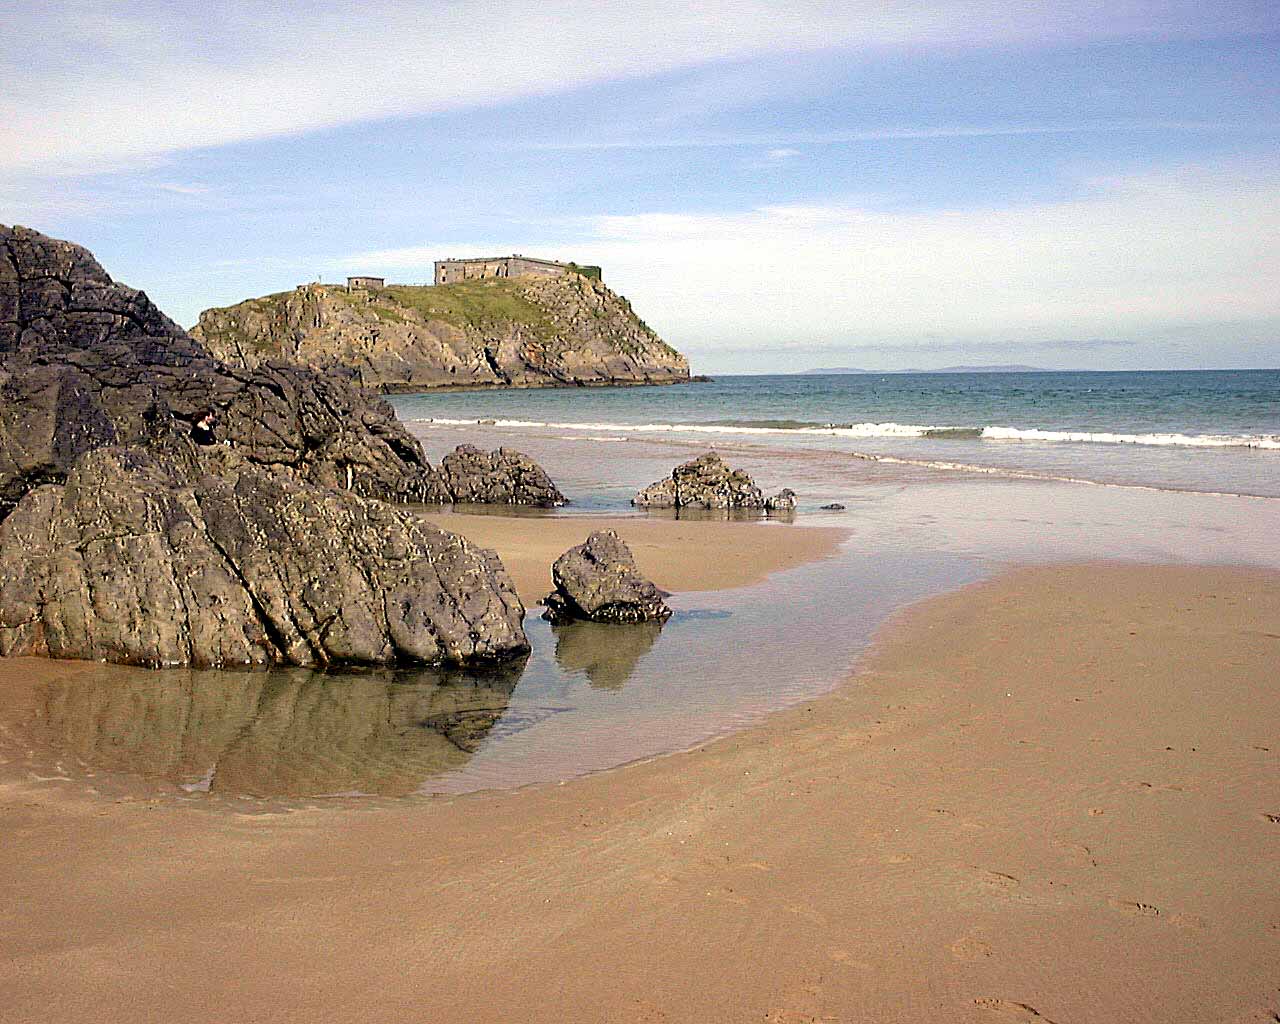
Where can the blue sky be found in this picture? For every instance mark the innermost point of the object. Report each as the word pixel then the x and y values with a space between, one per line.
pixel 773 186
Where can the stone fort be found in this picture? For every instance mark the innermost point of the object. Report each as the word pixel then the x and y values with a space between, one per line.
pixel 453 271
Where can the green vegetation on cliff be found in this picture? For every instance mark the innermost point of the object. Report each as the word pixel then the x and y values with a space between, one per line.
pixel 520 331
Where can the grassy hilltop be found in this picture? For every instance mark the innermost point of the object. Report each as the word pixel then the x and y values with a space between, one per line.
pixel 516 332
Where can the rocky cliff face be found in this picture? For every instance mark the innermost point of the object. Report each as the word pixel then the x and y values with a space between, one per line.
pixel 123 539
pixel 87 362
pixel 508 332
pixel 165 556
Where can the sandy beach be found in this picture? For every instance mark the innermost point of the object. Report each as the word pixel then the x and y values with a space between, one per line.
pixel 1048 797
pixel 678 555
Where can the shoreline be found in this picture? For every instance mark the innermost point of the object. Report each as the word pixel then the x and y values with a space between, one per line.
pixel 679 555
pixel 406 389
pixel 1016 777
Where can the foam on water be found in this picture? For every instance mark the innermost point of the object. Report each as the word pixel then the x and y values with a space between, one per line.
pixel 1265 442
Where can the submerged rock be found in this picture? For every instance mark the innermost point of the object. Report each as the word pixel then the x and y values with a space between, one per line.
pixel 707 482
pixel 180 556
pixel 598 581
pixel 504 476
pixel 835 506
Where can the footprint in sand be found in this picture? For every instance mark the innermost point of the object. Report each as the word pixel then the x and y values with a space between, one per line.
pixel 1007 1009
pixel 1077 849
pixel 970 948
pixel 1136 909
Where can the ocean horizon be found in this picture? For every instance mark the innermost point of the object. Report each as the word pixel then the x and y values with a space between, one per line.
pixel 1188 430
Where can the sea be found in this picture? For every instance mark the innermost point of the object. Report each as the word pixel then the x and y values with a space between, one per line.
pixel 1197 430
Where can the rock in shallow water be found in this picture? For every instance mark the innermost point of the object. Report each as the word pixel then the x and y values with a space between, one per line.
pixel 502 477
pixel 707 482
pixel 180 556
pixel 598 581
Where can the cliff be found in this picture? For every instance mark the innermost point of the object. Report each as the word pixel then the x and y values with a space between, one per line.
pixel 498 332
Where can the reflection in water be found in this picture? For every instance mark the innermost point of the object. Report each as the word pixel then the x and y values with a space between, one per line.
pixel 280 733
pixel 590 697
pixel 607 652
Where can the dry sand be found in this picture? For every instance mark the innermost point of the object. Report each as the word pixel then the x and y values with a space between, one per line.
pixel 677 554
pixel 1049 798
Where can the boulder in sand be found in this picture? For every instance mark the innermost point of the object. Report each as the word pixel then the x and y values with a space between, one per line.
pixel 598 581
pixel 169 556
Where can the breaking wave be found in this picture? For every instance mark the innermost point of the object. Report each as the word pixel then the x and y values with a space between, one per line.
pixel 1267 442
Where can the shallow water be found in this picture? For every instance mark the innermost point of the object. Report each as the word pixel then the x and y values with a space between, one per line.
pixel 589 697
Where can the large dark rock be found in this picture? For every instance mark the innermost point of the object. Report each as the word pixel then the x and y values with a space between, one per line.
pixel 86 362
pixel 707 482
pixel 500 477
pixel 598 580
pixel 121 539
pixel 173 555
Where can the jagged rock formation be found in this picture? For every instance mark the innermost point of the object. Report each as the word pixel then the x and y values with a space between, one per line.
pixel 199 557
pixel 499 332
pixel 708 483
pixel 502 477
pixel 86 362
pixel 121 539
pixel 598 581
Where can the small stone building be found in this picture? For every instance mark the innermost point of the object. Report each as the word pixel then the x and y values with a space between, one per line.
pixel 368 283
pixel 453 271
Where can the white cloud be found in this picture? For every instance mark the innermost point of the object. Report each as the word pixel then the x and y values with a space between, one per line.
pixel 1129 257
pixel 117 82
pixel 181 189
pixel 784 153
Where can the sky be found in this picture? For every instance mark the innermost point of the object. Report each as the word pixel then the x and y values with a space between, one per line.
pixel 774 186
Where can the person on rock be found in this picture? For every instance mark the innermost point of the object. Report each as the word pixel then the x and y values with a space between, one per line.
pixel 205 430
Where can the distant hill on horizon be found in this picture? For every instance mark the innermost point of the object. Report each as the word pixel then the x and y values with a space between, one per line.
pixel 980 368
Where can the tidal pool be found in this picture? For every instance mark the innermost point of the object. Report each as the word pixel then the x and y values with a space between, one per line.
pixel 589 697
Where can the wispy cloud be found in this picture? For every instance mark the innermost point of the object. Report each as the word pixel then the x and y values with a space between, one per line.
pixel 116 82
pixel 784 142
pixel 1126 257
pixel 178 188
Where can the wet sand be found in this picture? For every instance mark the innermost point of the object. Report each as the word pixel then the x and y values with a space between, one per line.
pixel 678 555
pixel 1049 797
